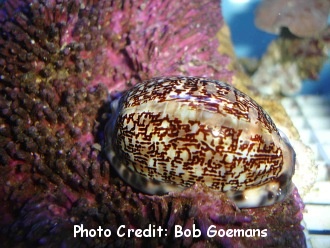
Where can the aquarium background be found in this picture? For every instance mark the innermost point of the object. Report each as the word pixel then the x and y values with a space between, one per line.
pixel 309 110
pixel 251 42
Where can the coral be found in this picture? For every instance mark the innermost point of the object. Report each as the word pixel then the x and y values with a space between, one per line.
pixel 309 54
pixel 274 76
pixel 304 18
pixel 290 60
pixel 300 51
pixel 58 60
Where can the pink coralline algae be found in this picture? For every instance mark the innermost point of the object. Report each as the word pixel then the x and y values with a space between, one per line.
pixel 58 61
pixel 304 18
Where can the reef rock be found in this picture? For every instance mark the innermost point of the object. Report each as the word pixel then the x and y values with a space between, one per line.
pixel 59 61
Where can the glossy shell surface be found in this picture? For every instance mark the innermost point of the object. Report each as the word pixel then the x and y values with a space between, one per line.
pixel 165 134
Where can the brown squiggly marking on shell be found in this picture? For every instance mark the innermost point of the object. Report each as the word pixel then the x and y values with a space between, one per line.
pixel 165 134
